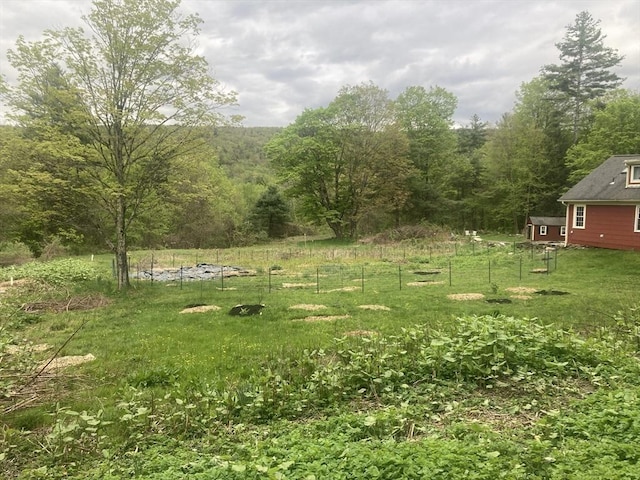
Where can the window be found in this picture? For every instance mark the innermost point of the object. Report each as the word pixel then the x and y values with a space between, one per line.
pixel 579 216
pixel 543 229
pixel 636 227
pixel 635 174
pixel 563 231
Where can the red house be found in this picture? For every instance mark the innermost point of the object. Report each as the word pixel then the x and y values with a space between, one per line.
pixel 546 229
pixel 603 209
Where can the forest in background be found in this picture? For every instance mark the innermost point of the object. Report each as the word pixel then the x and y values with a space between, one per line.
pixel 363 164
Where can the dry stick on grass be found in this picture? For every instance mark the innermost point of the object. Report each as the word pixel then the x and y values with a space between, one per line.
pixel 55 355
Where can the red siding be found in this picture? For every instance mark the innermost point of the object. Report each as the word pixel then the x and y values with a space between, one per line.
pixel 606 226
pixel 553 234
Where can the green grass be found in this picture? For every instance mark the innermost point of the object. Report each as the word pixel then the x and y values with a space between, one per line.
pixel 146 349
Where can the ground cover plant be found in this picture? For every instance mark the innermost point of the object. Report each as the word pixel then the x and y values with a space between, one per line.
pixel 384 380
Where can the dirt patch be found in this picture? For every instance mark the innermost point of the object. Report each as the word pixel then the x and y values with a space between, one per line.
pixel 374 307
pixel 63 362
pixel 521 290
pixel 498 300
pixel 423 283
pixel 201 309
pixel 307 306
pixel 539 270
pixel 551 292
pixel 298 285
pixel 465 296
pixel 17 349
pixel 88 302
pixel 522 297
pixel 324 318
pixel 342 289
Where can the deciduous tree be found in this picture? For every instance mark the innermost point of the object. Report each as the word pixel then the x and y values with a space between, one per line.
pixel 140 91
pixel 345 160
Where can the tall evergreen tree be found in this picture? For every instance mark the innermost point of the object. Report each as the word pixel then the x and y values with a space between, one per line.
pixel 271 213
pixel 585 69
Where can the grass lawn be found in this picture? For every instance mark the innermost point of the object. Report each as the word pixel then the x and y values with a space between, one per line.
pixel 323 373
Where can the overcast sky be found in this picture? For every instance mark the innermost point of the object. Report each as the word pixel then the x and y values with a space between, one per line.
pixel 284 56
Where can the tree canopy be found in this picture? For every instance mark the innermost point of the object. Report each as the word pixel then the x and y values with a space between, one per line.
pixel 120 103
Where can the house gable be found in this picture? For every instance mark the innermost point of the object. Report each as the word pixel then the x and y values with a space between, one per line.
pixel 603 208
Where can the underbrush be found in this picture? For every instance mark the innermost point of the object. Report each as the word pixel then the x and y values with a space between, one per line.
pixel 489 397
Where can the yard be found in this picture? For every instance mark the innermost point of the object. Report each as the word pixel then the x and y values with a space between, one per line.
pixel 449 361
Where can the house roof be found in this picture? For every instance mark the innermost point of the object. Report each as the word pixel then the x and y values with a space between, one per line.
pixel 549 221
pixel 605 183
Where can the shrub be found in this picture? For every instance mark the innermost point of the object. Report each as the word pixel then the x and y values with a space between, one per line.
pixel 14 253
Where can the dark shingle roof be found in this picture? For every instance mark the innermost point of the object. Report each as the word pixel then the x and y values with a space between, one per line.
pixel 605 183
pixel 550 221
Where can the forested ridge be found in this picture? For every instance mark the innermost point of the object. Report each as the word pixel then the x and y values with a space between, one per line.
pixel 85 169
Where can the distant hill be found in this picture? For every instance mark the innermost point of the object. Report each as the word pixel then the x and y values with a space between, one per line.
pixel 241 152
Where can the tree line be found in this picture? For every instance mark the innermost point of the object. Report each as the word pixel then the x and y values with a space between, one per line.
pixel 117 140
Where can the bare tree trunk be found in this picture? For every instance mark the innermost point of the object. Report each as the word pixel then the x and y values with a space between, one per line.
pixel 122 263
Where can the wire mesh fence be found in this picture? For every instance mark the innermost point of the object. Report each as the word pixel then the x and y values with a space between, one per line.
pixel 359 268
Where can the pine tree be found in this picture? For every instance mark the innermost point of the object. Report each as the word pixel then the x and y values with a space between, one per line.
pixel 584 72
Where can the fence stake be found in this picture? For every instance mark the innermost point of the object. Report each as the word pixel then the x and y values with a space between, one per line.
pixel 152 268
pixel 450 273
pixel 400 276
pixel 222 277
pixel 520 267
pixel 181 277
pixel 547 261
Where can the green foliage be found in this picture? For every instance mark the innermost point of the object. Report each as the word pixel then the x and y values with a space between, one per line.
pixel 271 213
pixel 585 72
pixel 614 130
pixel 58 272
pixel 115 146
pixel 14 253
pixel 346 160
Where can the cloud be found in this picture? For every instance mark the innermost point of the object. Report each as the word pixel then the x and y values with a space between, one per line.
pixel 283 56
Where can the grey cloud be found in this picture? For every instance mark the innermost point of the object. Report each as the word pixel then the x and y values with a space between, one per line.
pixel 283 56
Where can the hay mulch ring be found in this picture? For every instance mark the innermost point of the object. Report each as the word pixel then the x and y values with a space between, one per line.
pixel 465 296
pixel 62 362
pixel 298 285
pixel 307 306
pixel 200 309
pixel 521 293
pixel 374 307
pixel 323 318
pixel 79 303
pixel 342 289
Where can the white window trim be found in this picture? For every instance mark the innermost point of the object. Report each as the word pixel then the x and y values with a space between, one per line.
pixel 575 216
pixel 636 220
pixel 543 230
pixel 632 169
pixel 563 231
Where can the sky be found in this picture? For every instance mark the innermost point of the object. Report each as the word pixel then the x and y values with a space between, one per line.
pixel 283 56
